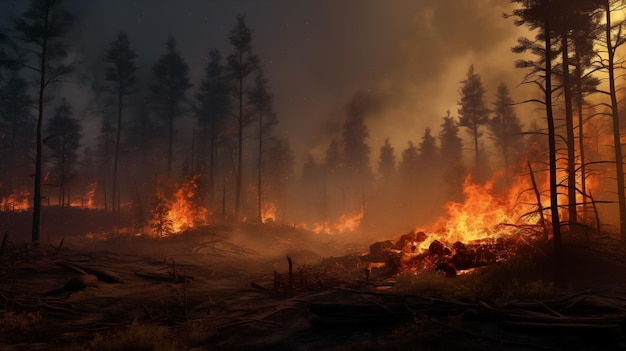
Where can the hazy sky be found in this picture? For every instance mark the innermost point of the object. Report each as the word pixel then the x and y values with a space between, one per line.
pixel 408 55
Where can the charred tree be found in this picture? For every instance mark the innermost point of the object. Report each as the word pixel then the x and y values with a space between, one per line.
pixel 568 16
pixel 41 29
pixel 211 111
pixel 121 73
pixel 63 141
pixel 261 103
pixel 537 14
pixel 242 63
pixel 614 38
pixel 583 40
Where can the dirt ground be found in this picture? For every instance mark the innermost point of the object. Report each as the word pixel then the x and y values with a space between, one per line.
pixel 228 288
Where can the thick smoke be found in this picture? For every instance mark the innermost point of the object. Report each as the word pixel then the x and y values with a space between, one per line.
pixel 397 64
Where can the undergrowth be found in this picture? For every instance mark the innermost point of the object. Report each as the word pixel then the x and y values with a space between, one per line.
pixel 520 278
pixel 18 322
pixel 137 337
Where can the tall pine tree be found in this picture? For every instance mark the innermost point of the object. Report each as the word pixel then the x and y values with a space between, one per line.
pixel 212 108
pixel 172 81
pixel 41 28
pixel 121 73
pixel 242 63
pixel 473 113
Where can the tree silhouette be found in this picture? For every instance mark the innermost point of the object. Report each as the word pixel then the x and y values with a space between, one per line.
pixel 537 14
pixel 15 111
pixel 583 84
pixel 41 29
pixel 409 165
pixel 473 114
pixel 505 128
pixel 356 151
pixel 451 152
pixel 63 140
pixel 279 168
pixel 242 63
pixel 172 81
pixel 568 16
pixel 121 73
pixel 613 39
pixel 211 111
pixel 386 162
pixel 333 160
pixel 261 101
pixel 428 152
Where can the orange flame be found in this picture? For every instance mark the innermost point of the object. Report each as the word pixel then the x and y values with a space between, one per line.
pixel 478 216
pixel 347 223
pixel 268 212
pixel 15 202
pixel 184 212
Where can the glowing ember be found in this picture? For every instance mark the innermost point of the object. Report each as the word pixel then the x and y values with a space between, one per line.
pixel 268 212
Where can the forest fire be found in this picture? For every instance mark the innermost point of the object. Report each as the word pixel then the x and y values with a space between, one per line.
pixel 182 213
pixel 268 212
pixel 16 202
pixel 484 229
pixel 346 223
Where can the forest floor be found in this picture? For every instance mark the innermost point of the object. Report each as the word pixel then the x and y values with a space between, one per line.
pixel 229 288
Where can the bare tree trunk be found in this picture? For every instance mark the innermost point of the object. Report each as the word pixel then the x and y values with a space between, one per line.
pixel 554 203
pixel 581 142
pixel 170 140
pixel 569 126
pixel 259 204
pixel 115 190
pixel 238 195
pixel 36 228
pixel 619 165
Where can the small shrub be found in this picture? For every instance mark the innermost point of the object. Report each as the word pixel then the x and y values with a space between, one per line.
pixel 11 321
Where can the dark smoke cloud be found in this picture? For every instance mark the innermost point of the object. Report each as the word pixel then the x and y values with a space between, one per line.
pixel 408 56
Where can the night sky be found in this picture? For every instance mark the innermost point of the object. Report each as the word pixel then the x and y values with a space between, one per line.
pixel 407 55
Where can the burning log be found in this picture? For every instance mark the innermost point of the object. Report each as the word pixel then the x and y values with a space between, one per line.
pixel 413 252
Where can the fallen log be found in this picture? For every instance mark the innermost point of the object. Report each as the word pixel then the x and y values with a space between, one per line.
pixel 103 275
pixel 74 284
